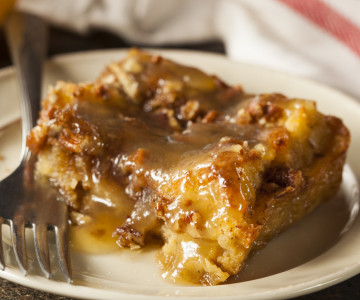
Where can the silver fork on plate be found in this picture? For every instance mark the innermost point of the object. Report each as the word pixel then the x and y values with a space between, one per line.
pixel 25 202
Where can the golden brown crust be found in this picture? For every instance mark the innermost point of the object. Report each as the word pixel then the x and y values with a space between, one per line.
pixel 176 152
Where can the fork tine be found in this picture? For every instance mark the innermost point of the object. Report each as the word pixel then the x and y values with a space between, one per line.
pixel 19 246
pixel 2 261
pixel 62 242
pixel 42 248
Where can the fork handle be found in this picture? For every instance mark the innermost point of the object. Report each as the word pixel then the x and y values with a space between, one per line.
pixel 27 38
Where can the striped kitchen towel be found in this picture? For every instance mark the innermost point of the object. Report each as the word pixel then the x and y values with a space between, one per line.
pixel 319 39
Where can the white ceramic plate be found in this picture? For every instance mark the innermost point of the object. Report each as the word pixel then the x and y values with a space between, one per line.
pixel 321 250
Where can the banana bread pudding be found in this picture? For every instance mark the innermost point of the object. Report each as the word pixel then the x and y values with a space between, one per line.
pixel 172 152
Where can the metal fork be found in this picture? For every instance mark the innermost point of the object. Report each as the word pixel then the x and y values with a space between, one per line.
pixel 25 202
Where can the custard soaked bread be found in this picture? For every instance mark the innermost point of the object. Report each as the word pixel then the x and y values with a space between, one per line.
pixel 173 152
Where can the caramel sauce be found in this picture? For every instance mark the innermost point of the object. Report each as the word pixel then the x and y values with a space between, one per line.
pixel 143 149
pixel 95 236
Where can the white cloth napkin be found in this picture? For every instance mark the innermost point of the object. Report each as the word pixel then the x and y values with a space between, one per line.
pixel 318 39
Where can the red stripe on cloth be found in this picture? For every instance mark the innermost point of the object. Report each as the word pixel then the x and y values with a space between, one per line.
pixel 330 20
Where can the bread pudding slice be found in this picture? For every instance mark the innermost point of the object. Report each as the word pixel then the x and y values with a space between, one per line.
pixel 171 151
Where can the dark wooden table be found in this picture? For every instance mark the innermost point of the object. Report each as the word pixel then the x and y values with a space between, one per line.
pixel 61 41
